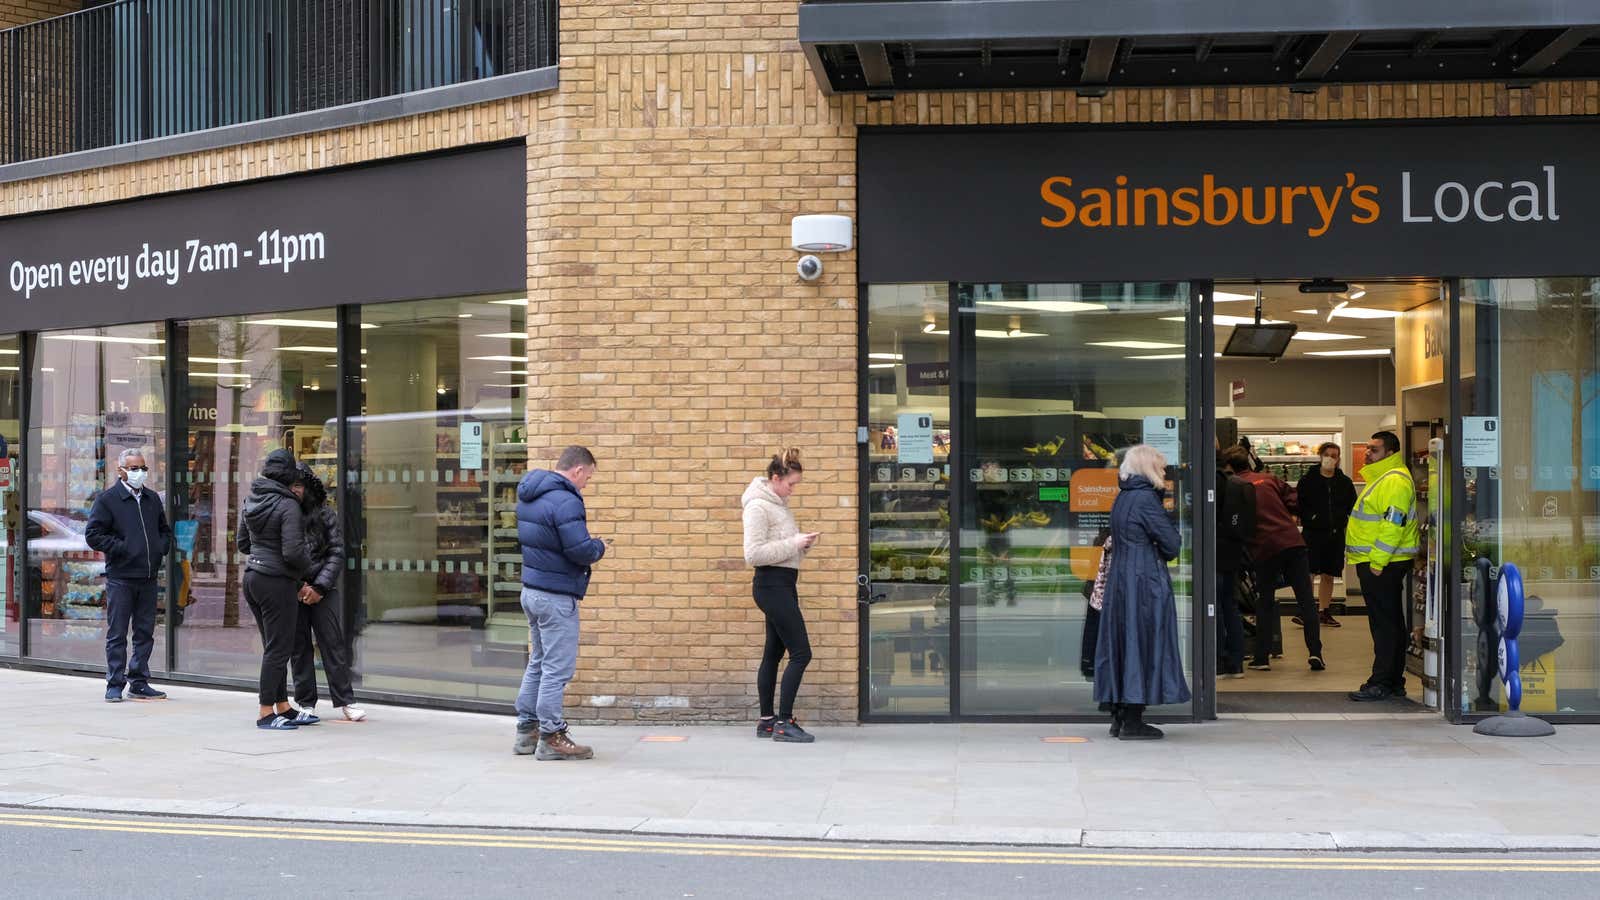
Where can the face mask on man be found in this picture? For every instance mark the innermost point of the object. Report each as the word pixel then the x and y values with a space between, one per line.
pixel 136 478
pixel 1329 464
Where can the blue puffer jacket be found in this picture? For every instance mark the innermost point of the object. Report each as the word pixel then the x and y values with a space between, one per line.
pixel 553 530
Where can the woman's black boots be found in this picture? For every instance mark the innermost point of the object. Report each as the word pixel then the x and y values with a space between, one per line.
pixel 1133 727
pixel 1116 719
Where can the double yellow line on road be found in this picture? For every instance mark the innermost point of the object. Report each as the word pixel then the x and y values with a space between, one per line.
pixel 841 851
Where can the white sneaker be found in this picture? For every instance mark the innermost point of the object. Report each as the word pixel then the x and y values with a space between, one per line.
pixel 354 713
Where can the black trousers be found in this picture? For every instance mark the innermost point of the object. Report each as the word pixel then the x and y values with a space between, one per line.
pixel 1385 594
pixel 775 590
pixel 1292 566
pixel 1230 625
pixel 273 600
pixel 321 620
pixel 130 606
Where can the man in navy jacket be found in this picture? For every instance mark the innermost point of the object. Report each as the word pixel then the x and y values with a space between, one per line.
pixel 557 551
pixel 127 524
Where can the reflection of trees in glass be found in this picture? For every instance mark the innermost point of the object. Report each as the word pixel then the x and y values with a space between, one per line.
pixel 1564 331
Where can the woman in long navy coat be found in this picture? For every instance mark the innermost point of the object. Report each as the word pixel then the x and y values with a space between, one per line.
pixel 1137 661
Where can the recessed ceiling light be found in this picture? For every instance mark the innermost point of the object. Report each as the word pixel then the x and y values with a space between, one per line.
pixel 520 301
pixel 463 315
pixel 508 335
pixel 1355 312
pixel 1358 293
pixel 1011 333
pixel 1137 345
pixel 119 381
pixel 1166 356
pixel 102 339
pixel 1229 297
pixel 1043 306
pixel 1325 336
pixel 4 352
pixel 304 323
pixel 510 372
pixel 520 359
pixel 893 357
pixel 880 365
pixel 218 375
pixel 1367 352
pixel 1224 319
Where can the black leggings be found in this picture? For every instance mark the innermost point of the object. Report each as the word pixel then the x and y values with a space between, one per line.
pixel 273 600
pixel 775 594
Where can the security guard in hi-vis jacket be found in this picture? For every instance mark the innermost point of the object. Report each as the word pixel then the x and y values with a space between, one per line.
pixel 1381 540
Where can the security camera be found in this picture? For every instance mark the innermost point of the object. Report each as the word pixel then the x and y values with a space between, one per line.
pixel 809 268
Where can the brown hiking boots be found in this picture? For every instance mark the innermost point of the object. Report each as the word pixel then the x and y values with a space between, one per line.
pixel 561 746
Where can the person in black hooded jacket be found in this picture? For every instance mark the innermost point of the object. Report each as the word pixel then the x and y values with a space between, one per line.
pixel 272 537
pixel 319 605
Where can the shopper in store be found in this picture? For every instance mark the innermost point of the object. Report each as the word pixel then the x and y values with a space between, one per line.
pixel 319 613
pixel 1278 555
pixel 557 553
pixel 1381 540
pixel 1326 495
pixel 1236 524
pixel 1137 660
pixel 271 537
pixel 127 524
pixel 775 546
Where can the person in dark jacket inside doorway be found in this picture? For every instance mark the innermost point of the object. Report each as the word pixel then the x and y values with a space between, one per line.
pixel 1137 660
pixel 1278 553
pixel 557 551
pixel 272 538
pixel 1326 497
pixel 1236 524
pixel 319 612
pixel 127 524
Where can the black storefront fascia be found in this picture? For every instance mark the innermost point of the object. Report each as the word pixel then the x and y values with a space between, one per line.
pixel 1377 199
pixel 442 225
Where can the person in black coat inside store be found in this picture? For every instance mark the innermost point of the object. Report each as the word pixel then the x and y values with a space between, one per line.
pixel 128 525
pixel 1236 522
pixel 1137 659
pixel 1327 495
pixel 271 536
pixel 319 606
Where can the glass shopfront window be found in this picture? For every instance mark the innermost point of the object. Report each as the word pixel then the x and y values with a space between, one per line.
pixel 250 385
pixel 1530 452
pixel 93 394
pixel 10 493
pixel 1055 379
pixel 436 455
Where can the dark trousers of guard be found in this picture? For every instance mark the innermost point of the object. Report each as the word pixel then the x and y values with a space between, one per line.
pixel 1385 594
pixel 321 621
pixel 130 607
pixel 273 600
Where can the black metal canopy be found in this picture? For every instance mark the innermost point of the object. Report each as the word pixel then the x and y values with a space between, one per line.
pixel 881 47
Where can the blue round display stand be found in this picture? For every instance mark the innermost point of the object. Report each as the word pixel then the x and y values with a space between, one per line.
pixel 1508 620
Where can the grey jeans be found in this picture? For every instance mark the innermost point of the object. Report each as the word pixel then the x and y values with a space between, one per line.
pixel 552 658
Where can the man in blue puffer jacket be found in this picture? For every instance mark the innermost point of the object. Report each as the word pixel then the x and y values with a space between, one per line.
pixel 557 551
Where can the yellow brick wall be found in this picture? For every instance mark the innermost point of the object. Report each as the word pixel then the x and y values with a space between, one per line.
pixel 21 12
pixel 667 329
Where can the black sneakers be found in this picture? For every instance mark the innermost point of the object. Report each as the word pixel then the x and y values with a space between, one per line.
pixel 788 731
pixel 144 692
pixel 1317 665
pixel 764 727
pixel 113 695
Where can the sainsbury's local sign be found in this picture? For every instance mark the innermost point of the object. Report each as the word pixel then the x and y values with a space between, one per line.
pixel 1284 201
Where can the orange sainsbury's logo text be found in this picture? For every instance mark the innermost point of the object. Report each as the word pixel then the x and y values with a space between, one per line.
pixel 1208 203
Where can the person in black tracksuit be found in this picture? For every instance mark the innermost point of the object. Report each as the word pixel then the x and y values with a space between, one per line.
pixel 272 536
pixel 1327 495
pixel 319 605
pixel 1236 522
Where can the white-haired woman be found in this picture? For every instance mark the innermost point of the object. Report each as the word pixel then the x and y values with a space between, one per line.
pixel 1137 661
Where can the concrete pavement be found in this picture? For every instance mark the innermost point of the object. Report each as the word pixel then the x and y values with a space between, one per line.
pixel 1306 782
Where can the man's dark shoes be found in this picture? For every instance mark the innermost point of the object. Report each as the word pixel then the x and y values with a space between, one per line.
pixel 561 746
pixel 113 695
pixel 527 740
pixel 764 727
pixel 1317 665
pixel 788 731
pixel 145 692
pixel 1370 693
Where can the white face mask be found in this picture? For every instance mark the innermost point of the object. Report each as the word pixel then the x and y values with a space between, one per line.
pixel 1329 464
pixel 136 479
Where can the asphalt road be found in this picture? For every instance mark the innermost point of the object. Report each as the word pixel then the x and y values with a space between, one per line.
pixel 68 855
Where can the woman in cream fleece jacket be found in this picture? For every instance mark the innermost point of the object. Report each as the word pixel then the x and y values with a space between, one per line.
pixel 774 545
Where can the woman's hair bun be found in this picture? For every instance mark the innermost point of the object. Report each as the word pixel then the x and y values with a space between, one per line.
pixel 785 462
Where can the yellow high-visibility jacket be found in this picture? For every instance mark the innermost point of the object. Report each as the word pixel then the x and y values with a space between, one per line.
pixel 1383 527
